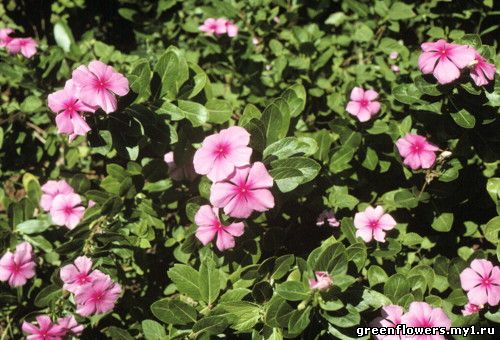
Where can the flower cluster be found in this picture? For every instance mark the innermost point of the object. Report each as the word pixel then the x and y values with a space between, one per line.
pixel 46 329
pixel 26 46
pixel 420 314
pixel 18 267
pixel 219 26
pixel 446 60
pixel 90 88
pixel 63 204
pixel 481 281
pixel 239 187
pixel 95 292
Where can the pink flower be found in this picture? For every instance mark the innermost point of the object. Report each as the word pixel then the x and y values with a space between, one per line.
pixel 394 55
pixel 46 330
pixel 4 36
pixel 363 104
pixel 231 29
pixel 77 274
pixel 483 72
pixel 66 210
pixel 371 223
pixel 207 220
pixel 97 297
pixel 214 26
pixel 70 325
pixel 27 46
pixel 66 104
pixel 323 281
pixel 329 217
pixel 421 314
pixel 18 267
pixel 179 173
pixel 481 282
pixel 391 317
pixel 395 68
pixel 98 85
pixel 221 152
pixel 444 60
pixel 51 189
pixel 470 309
pixel 417 152
pixel 245 191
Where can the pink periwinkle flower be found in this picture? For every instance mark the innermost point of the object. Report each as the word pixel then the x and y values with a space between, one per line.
pixel 18 267
pixel 66 210
pixel 97 297
pixel 231 29
pixel 444 60
pixel 70 325
pixel 66 104
pixel 51 189
pixel 78 274
pixel 214 26
pixel 221 152
pixel 470 309
pixel 209 225
pixel 328 217
pixel 482 72
pixel 417 151
pixel 481 282
pixel 46 330
pixel 363 104
pixel 393 55
pixel 26 46
pixel 5 36
pixel 391 317
pixel 245 191
pixel 395 68
pixel 179 172
pixel 323 281
pixel 372 223
pixel 421 314
pixel 98 84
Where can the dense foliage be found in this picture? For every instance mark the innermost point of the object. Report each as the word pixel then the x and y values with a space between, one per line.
pixel 285 72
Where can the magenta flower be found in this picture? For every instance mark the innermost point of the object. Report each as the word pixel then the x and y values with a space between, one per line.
pixel 391 317
pixel 481 282
pixel 483 72
pixel 221 152
pixel 371 223
pixel 444 60
pixel 328 217
pixel 27 46
pixel 209 225
pixel 421 314
pixel 18 267
pixel 417 152
pixel 363 104
pixel 51 189
pixel 179 173
pixel 470 309
pixel 393 55
pixel 67 106
pixel 70 325
pixel 76 275
pixel 97 297
pixel 98 84
pixel 5 36
pixel 46 330
pixel 245 191
pixel 323 281
pixel 66 210
pixel 231 29
pixel 214 26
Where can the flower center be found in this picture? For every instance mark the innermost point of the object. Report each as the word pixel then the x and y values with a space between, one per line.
pixel 221 150
pixel 15 268
pixel 101 84
pixel 373 224
pixel 416 148
pixel 443 52
pixel 486 282
pixel 98 296
pixel 82 278
pixel 364 103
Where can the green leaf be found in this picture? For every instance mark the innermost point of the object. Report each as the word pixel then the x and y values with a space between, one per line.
pixel 31 104
pixel 153 330
pixel 443 222
pixel 400 11
pixel 140 78
pixel 276 119
pixel 282 265
pixel 209 281
pixel 339 197
pixel 396 287
pixel 63 36
pixel 293 291
pixel 362 33
pixel 242 315
pixel 299 320
pixel 219 111
pixel 173 312
pixel 492 229
pixel 371 159
pixel 296 97
pixel 425 87
pixel 48 295
pixel 250 112
pixel 33 226
pixel 186 280
pixel 290 146
pixel 286 172
pixel 406 93
pixel 196 113
pixel 211 325
pixel 172 70
pixel 464 119
pixel 376 275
